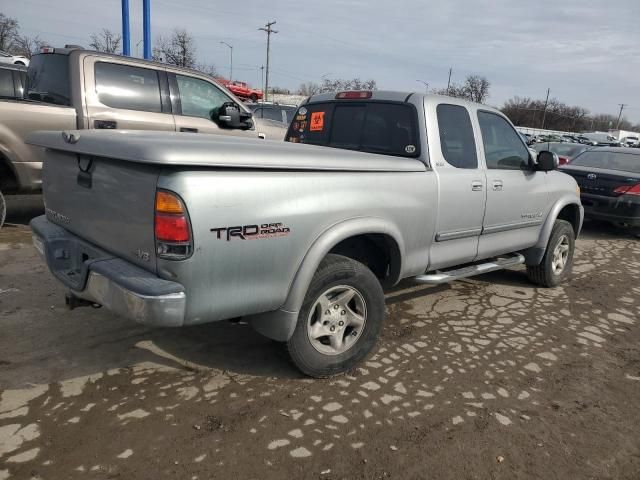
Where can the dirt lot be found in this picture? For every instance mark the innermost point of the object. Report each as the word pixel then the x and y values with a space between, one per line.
pixel 485 378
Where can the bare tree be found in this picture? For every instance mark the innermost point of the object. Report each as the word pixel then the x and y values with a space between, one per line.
pixel 28 46
pixel 334 85
pixel 308 88
pixel 476 88
pixel 106 41
pixel 178 50
pixel 8 32
pixel 207 68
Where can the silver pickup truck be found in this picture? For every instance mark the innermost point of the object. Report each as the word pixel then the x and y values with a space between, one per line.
pixel 300 239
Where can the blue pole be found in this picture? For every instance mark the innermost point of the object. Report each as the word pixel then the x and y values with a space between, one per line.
pixel 126 44
pixel 146 27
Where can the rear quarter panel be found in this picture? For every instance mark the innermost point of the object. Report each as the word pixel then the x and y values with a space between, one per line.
pixel 235 277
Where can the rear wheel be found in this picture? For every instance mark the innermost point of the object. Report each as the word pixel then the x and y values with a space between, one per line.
pixel 558 257
pixel 3 209
pixel 253 97
pixel 340 319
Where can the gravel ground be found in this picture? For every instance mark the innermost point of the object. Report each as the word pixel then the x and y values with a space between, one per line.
pixel 484 378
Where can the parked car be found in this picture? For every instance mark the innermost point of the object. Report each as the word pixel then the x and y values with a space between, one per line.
pixel 12 80
pixel 73 88
pixel 13 59
pixel 609 181
pixel 242 90
pixel 274 111
pixel 600 139
pixel 565 151
pixel 173 230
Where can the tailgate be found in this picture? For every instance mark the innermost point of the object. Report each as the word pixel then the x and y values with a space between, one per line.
pixel 109 203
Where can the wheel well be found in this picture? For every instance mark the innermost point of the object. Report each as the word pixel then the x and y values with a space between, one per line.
pixel 571 213
pixel 8 179
pixel 379 252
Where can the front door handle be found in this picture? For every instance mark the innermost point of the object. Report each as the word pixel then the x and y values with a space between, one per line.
pixel 105 124
pixel 476 186
pixel 187 129
pixel 497 185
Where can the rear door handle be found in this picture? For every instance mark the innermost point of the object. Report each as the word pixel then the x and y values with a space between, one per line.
pixel 186 129
pixel 105 124
pixel 497 185
pixel 476 186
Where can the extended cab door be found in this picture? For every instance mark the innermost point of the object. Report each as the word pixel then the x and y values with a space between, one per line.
pixel 126 95
pixel 461 191
pixel 517 195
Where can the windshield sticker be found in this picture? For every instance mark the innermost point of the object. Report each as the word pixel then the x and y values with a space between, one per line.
pixel 410 149
pixel 302 111
pixel 317 121
pixel 301 117
pixel 303 125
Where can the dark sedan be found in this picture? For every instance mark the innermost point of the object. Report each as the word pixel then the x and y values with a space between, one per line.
pixel 565 151
pixel 609 181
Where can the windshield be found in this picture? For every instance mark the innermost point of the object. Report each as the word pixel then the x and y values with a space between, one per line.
pixel 48 79
pixel 373 127
pixel 625 162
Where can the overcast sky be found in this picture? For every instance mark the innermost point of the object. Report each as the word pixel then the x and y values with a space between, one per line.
pixel 586 51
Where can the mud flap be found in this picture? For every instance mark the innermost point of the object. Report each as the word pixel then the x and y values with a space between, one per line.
pixel 277 325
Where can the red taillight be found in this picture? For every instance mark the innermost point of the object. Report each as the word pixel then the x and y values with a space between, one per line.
pixel 172 228
pixel 353 95
pixel 47 50
pixel 628 190
pixel 563 160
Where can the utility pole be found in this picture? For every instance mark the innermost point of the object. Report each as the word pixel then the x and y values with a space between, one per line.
pixel 262 77
pixel 622 105
pixel 544 113
pixel 449 81
pixel 231 67
pixel 267 28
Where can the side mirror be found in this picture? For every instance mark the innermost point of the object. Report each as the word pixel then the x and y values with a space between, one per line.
pixel 229 115
pixel 547 161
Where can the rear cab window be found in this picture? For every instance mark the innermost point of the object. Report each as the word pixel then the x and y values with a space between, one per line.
pixel 48 79
pixel 389 128
pixel 127 87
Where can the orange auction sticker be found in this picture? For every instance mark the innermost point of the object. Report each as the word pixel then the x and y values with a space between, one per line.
pixel 317 121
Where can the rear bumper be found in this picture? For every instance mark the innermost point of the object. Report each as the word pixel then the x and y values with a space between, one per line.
pixel 624 209
pixel 97 276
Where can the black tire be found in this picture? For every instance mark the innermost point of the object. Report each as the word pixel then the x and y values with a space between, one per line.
pixel 337 271
pixel 253 97
pixel 544 274
pixel 3 209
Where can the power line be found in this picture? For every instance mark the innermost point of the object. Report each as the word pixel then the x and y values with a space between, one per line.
pixel 267 28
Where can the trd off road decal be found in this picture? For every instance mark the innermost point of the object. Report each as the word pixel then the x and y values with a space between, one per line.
pixel 252 232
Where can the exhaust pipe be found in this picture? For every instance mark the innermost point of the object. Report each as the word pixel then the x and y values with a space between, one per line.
pixel 72 302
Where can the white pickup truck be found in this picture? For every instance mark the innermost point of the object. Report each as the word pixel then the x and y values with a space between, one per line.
pixel 173 229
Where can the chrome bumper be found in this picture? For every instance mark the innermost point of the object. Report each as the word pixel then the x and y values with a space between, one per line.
pixel 156 310
pixel 96 276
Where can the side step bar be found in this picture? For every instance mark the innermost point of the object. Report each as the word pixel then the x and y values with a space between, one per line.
pixel 451 275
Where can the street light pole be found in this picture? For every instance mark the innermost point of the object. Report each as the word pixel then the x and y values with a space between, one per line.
pixel 231 67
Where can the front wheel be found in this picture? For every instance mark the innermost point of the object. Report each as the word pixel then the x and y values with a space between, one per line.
pixel 253 97
pixel 558 257
pixel 340 319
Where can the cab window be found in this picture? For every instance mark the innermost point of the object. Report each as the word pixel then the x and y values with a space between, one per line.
pixel 457 142
pixel 373 127
pixel 200 98
pixel 128 87
pixel 503 147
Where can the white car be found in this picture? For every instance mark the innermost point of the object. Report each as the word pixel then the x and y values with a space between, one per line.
pixel 15 59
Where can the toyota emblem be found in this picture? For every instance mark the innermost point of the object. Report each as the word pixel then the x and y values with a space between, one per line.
pixel 592 176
